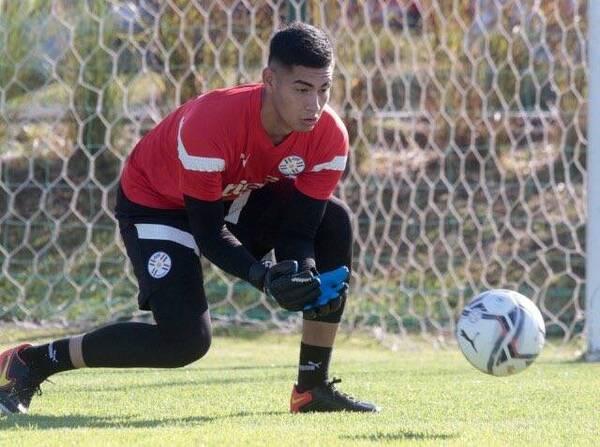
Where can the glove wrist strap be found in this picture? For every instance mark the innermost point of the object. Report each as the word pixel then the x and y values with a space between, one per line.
pixel 256 274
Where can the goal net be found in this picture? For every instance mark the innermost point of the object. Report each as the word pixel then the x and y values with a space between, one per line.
pixel 467 121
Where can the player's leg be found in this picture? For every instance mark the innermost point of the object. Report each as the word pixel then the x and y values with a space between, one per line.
pixel 182 333
pixel 256 225
pixel 171 286
pixel 333 249
pixel 314 391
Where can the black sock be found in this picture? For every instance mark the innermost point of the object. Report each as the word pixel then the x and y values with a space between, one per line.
pixel 314 366
pixel 48 359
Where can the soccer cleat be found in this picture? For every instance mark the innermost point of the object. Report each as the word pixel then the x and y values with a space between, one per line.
pixel 326 398
pixel 18 383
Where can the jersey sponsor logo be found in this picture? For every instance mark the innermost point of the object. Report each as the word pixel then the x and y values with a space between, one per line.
pixel 235 189
pixel 292 165
pixel 159 264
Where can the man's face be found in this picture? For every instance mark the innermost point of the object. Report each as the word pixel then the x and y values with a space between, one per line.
pixel 300 94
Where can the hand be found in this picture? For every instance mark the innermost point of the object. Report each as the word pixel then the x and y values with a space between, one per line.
pixel 291 289
pixel 333 287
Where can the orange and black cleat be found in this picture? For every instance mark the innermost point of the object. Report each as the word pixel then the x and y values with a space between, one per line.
pixel 18 383
pixel 326 398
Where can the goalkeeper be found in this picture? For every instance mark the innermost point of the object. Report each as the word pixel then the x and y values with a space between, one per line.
pixel 229 175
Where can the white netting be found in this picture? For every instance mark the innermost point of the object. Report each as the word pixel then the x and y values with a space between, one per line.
pixel 467 121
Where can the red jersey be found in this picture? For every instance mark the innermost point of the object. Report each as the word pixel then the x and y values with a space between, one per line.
pixel 214 146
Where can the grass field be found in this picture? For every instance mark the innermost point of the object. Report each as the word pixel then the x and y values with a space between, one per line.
pixel 239 395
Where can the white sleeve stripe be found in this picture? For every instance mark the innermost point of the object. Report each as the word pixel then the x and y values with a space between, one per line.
pixel 166 233
pixel 236 207
pixel 337 164
pixel 195 163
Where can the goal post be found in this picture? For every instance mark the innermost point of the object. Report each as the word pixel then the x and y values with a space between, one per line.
pixel 593 188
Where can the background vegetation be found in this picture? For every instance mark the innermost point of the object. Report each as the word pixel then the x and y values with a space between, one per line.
pixel 467 121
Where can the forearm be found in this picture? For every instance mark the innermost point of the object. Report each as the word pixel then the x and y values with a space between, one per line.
pixel 226 252
pixel 215 241
pixel 298 230
pixel 296 247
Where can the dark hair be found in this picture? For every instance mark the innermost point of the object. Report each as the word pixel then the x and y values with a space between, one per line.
pixel 301 44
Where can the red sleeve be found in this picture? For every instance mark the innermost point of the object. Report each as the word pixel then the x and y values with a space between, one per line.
pixel 201 158
pixel 324 173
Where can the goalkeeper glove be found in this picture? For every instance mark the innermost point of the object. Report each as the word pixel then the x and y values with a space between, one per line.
pixel 291 289
pixel 333 286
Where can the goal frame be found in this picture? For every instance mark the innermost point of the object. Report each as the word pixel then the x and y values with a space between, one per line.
pixel 593 189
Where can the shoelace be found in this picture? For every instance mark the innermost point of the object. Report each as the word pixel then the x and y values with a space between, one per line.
pixel 331 385
pixel 31 387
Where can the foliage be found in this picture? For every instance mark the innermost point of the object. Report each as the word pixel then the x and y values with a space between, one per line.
pixel 467 123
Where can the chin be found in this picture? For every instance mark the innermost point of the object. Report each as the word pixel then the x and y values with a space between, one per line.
pixel 305 127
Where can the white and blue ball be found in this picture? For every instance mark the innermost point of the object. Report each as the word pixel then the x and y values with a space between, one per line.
pixel 501 332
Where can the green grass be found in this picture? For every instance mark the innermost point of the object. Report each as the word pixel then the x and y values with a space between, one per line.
pixel 238 395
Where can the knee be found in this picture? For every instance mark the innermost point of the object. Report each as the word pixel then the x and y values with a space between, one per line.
pixel 189 350
pixel 196 347
pixel 333 242
pixel 340 213
pixel 337 221
pixel 335 317
pixel 189 342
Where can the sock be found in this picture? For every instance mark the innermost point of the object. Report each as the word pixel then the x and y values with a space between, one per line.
pixel 48 359
pixel 314 366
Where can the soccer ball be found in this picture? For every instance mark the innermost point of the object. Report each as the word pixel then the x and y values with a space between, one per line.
pixel 501 332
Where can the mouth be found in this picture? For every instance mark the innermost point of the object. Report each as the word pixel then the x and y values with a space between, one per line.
pixel 310 120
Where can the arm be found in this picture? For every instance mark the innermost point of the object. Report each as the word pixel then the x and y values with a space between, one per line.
pixel 296 241
pixel 298 229
pixel 214 240
pixel 291 289
pixel 312 190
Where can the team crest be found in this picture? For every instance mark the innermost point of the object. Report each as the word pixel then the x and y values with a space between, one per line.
pixel 159 264
pixel 292 165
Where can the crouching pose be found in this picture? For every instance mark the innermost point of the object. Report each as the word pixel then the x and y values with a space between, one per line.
pixel 229 175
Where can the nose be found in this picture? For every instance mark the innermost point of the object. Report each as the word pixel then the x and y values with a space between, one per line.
pixel 312 105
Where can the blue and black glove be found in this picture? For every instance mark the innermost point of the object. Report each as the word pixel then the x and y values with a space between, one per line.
pixel 292 289
pixel 333 286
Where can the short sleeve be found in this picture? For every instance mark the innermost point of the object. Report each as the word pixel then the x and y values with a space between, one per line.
pixel 201 159
pixel 323 174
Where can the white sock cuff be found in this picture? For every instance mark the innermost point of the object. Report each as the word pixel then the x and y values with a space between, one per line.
pixel 76 352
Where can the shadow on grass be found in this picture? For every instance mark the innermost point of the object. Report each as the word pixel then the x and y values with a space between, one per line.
pixel 240 368
pixel 197 367
pixel 399 436
pixel 178 383
pixel 45 422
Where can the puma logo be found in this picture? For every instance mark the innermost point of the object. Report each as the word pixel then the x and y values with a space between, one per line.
pixel 52 353
pixel 312 366
pixel 464 335
pixel 244 159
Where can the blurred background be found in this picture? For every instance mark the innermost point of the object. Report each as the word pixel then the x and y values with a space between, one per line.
pixel 467 122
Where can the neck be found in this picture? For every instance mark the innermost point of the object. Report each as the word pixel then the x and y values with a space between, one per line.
pixel 271 120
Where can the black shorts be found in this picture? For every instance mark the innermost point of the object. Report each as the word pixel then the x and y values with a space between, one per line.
pixel 164 255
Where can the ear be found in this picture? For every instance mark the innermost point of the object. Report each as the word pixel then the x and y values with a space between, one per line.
pixel 268 78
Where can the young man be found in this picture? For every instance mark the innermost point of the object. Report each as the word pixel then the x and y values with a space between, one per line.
pixel 229 175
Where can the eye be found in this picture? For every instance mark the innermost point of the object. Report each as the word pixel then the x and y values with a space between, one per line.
pixel 302 90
